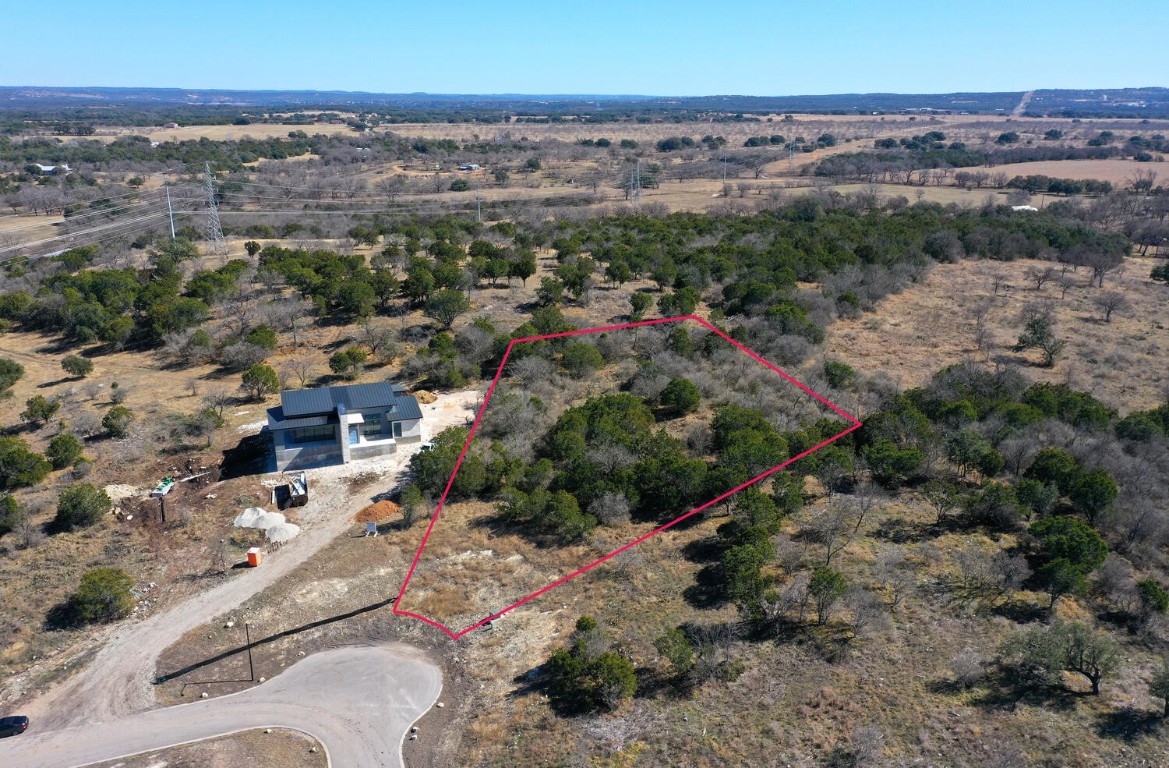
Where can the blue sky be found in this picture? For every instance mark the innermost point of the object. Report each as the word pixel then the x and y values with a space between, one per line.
pixel 681 47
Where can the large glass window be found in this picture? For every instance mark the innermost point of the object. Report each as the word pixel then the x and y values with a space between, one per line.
pixel 372 428
pixel 313 434
pixel 397 429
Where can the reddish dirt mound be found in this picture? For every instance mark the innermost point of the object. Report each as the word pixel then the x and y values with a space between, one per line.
pixel 379 510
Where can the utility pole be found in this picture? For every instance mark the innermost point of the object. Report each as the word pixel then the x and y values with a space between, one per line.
pixel 171 213
pixel 637 185
pixel 478 204
pixel 214 228
pixel 248 638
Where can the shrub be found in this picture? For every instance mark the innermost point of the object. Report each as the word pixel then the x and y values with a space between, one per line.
pixel 1154 598
pixel 1072 549
pixel 348 362
pixel 10 373
pixel 80 506
pixel 584 677
pixel 11 514
pixel 77 366
pixel 117 421
pixel 1040 653
pixel 826 587
pixel 680 397
pixel 996 506
pixel 262 336
pixel 581 359
pixel 259 381
pixel 64 451
pixel 104 595
pixel 38 410
pixel 19 466
pixel 839 375
pixel 639 303
pixel 445 305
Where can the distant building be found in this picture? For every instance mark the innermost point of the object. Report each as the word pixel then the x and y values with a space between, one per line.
pixel 52 170
pixel 170 125
pixel 336 425
pixel 469 167
pixel 1023 208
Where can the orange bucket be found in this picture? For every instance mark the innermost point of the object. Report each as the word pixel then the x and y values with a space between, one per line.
pixel 255 556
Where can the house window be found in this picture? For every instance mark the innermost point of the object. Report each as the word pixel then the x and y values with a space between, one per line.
pixel 397 429
pixel 372 428
pixel 353 439
pixel 313 434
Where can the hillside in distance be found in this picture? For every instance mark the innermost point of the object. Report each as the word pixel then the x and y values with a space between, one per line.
pixel 1124 102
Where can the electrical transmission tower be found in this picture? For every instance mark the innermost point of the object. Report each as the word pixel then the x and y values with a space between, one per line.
pixel 214 228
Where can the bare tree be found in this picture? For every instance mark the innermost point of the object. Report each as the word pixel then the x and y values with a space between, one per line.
pixel 1040 276
pixel 302 369
pixel 968 667
pixel 217 400
pixel 610 509
pixel 1112 301
pixel 833 528
pixel 379 337
pixel 985 581
pixel 895 574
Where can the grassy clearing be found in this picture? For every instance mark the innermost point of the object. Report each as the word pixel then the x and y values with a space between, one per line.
pixel 932 324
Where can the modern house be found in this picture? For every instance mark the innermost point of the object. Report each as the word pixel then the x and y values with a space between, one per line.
pixel 332 425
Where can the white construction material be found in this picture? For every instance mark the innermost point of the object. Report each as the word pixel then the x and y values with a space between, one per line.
pixel 282 532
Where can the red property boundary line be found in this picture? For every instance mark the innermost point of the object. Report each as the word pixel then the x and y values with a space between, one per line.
pixel 856 424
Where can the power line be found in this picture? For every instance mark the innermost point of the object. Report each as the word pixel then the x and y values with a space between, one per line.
pixel 73 219
pixel 161 215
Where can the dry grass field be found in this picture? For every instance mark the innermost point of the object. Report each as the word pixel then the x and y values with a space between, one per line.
pixel 932 324
pixel 279 749
pixel 107 134
pixel 1117 170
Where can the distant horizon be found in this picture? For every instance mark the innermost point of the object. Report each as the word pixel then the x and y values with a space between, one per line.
pixel 738 47
pixel 569 94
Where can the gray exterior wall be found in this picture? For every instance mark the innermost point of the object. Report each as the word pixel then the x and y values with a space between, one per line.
pixel 291 455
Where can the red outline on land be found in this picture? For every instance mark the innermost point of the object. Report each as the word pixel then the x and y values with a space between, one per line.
pixel 478 417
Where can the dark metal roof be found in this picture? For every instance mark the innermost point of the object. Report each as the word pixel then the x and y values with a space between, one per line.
pixel 406 407
pixel 277 420
pixel 354 397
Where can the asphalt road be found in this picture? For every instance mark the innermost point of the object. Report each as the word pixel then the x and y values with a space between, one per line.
pixel 359 702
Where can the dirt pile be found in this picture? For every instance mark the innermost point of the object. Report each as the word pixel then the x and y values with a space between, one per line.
pixel 379 510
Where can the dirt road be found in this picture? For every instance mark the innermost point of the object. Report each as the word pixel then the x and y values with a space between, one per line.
pixel 358 702
pixel 117 682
